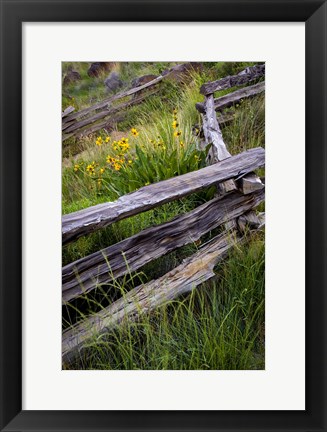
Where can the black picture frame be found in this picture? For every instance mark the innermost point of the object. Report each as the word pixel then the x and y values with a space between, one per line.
pixel 13 14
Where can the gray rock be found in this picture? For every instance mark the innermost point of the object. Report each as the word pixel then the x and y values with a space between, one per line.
pixel 113 82
pixel 71 76
pixel 98 67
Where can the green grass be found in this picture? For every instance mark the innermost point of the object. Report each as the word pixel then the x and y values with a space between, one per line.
pixel 218 326
pixel 221 324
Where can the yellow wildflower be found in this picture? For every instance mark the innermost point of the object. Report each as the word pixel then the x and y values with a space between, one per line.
pixel 90 169
pixel 76 167
pixel 101 171
pixel 110 159
pixel 107 139
pixel 175 124
pixel 115 145
pixel 130 161
pixel 123 144
pixel 117 166
pixel 99 141
pixel 181 144
pixel 134 132
pixel 177 133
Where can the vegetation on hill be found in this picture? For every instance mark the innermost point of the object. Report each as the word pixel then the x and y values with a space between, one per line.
pixel 220 325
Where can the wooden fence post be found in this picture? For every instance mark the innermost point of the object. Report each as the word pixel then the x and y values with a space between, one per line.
pixel 213 136
pixel 212 132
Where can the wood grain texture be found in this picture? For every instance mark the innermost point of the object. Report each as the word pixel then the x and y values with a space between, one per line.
pixel 212 133
pixel 224 120
pixel 82 276
pixel 251 221
pixel 88 220
pixel 67 111
pixel 244 77
pixel 76 127
pixel 67 125
pixel 213 136
pixel 250 183
pixel 143 299
pixel 234 98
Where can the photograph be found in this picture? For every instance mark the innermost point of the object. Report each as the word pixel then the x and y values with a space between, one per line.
pixel 163 215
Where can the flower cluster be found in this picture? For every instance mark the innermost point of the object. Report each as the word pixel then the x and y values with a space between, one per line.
pixel 121 146
pixel 115 163
pixel 99 141
pixel 119 157
pixel 122 156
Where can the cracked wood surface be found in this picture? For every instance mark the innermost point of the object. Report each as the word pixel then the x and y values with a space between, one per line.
pixel 249 74
pixel 131 254
pixel 74 127
pixel 192 272
pixel 212 132
pixel 88 220
pixel 233 98
pixel 250 183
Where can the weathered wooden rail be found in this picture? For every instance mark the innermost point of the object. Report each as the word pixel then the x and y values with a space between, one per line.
pixel 151 243
pixel 85 121
pixel 85 221
pixel 247 75
pixel 211 127
pixel 131 254
pixel 194 271
pixel 235 97
pixel 240 191
pixel 96 117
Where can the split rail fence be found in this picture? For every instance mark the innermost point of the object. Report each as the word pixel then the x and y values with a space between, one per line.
pixel 97 116
pixel 240 191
